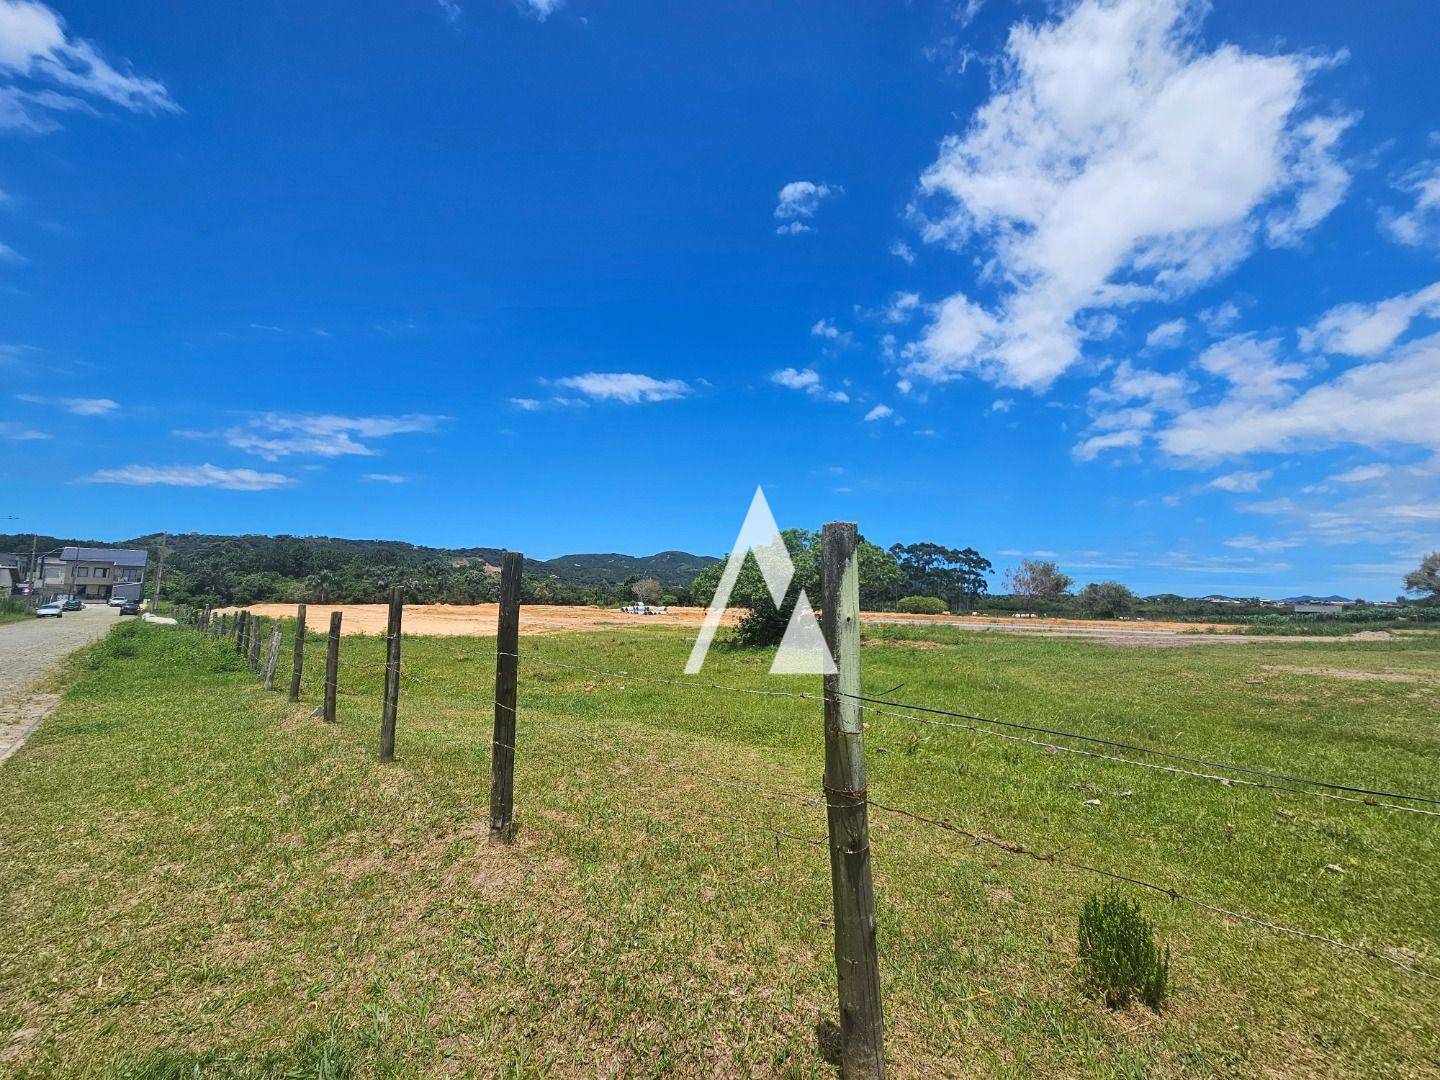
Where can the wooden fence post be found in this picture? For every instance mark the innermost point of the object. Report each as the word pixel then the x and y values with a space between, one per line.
pixel 332 666
pixel 272 656
pixel 253 645
pixel 242 622
pixel 391 703
pixel 862 1042
pixel 507 667
pixel 299 664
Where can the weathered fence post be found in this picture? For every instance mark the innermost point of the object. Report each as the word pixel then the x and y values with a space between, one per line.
pixel 242 623
pixel 862 1042
pixel 253 645
pixel 332 666
pixel 391 703
pixel 507 661
pixel 272 656
pixel 299 664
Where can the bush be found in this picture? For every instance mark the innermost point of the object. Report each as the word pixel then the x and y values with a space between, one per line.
pixel 921 605
pixel 1118 956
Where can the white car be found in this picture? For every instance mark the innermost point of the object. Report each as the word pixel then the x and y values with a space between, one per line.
pixel 46 611
pixel 118 601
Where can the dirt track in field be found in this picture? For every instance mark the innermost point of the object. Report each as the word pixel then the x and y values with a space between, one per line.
pixel 478 620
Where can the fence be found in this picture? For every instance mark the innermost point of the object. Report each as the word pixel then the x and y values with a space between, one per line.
pixel 844 794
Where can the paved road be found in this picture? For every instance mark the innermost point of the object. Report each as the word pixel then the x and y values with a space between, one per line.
pixel 27 651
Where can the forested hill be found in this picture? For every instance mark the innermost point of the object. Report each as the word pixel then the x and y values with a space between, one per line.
pixel 256 567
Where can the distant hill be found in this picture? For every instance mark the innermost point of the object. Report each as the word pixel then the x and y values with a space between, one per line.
pixel 1318 600
pixel 670 568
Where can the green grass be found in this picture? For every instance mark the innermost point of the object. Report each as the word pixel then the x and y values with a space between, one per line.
pixel 12 610
pixel 200 879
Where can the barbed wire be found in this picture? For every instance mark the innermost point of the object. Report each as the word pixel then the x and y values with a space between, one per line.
pixel 1244 769
pixel 1224 781
pixel 1057 858
pixel 1011 847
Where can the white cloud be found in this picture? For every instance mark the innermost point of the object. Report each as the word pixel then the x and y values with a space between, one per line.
pixel 1250 542
pixel 46 68
pixel 1117 160
pixel 1387 402
pixel 190 476
pixel 385 478
pixel 1369 329
pixel 1001 405
pixel 879 412
pixel 1219 318
pixel 1251 367
pixel 274 435
pixel 1092 447
pixel 807 380
pixel 797 203
pixel 451 10
pixel 20 433
pixel 1240 481
pixel 625 387
pixel 77 405
pixel 902 250
pixel 1421 223
pixel 10 255
pixel 1361 474
pixel 90 406
pixel 527 404
pixel 827 330
pixel 902 305
pixel 1320 179
pixel 540 9
pixel 1167 335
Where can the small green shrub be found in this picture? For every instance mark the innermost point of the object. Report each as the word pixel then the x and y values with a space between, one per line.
pixel 1118 956
pixel 921 605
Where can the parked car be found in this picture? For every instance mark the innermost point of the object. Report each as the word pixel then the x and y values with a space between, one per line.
pixel 72 603
pixel 46 611
pixel 132 607
pixel 118 601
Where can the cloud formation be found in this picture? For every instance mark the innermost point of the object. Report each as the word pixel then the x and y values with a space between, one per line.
pixel 808 380
pixel 797 203
pixel 273 435
pixel 627 388
pixel 1117 160
pixel 1420 224
pixel 44 71
pixel 191 476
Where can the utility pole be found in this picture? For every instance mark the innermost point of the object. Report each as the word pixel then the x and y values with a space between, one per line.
pixel 159 574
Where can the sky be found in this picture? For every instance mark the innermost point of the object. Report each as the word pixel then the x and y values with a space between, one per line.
pixel 1148 287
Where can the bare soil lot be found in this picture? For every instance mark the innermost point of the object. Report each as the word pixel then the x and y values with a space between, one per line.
pixel 478 620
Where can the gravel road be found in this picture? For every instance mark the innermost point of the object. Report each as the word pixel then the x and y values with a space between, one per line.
pixel 30 649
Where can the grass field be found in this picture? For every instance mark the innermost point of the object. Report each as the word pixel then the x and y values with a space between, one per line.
pixel 200 879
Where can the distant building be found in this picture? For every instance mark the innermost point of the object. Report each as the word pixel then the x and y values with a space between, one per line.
pixel 9 578
pixel 95 573
pixel 1319 607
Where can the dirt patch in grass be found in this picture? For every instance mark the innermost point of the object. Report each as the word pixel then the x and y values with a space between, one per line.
pixel 1351 673
pixel 901 643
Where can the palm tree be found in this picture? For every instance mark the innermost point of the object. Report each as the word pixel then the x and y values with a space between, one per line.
pixel 322 585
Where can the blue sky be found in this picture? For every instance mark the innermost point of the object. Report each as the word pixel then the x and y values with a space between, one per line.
pixel 1147 286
